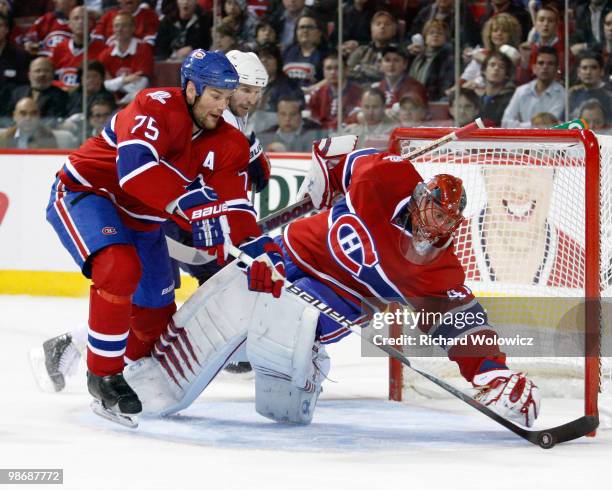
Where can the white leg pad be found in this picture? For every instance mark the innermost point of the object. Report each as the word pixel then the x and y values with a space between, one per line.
pixel 204 333
pixel 289 366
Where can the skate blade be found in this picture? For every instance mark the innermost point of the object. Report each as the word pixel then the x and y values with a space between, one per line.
pixel 39 370
pixel 130 421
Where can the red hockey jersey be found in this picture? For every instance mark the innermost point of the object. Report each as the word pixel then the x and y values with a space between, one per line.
pixel 138 57
pixel 147 24
pixel 67 58
pixel 49 30
pixel 355 246
pixel 146 156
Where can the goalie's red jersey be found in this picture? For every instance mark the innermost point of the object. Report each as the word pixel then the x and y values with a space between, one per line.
pixel 355 246
pixel 146 156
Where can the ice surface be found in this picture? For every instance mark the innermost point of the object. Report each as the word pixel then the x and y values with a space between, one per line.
pixel 358 440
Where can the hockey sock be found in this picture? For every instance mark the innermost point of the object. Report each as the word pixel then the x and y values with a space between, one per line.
pixel 147 324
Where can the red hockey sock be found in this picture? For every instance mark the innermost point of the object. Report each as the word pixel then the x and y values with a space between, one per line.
pixel 147 324
pixel 470 357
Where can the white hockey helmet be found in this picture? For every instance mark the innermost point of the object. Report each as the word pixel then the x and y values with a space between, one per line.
pixel 250 69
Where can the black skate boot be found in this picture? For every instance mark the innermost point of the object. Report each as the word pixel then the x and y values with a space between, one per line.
pixel 239 367
pixel 57 359
pixel 114 399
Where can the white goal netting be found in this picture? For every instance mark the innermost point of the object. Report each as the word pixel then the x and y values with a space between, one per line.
pixel 527 246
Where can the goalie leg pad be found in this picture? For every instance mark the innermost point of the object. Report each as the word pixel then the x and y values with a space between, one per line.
pixel 284 357
pixel 202 336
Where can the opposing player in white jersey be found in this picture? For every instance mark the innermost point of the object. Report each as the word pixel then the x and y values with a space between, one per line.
pixel 383 235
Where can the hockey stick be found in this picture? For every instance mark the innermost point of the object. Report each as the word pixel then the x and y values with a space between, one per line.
pixel 545 438
pixel 190 255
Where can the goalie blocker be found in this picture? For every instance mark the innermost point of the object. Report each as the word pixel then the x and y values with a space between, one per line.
pixel 208 329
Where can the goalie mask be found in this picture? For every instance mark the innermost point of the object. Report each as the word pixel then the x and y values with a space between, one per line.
pixel 433 214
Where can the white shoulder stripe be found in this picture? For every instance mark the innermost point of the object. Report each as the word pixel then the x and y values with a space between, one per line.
pixel 140 142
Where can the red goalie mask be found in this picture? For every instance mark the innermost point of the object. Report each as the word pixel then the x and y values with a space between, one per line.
pixel 437 207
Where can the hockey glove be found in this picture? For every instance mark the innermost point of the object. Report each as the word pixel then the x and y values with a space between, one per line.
pixel 510 394
pixel 267 274
pixel 259 165
pixel 202 208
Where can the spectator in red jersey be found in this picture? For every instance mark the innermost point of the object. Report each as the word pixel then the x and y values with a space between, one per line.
pixel 146 22
pixel 52 101
pixel 396 82
pixel 323 103
pixel 68 55
pixel 128 62
pixel 50 29
pixel 545 32
pixel 181 33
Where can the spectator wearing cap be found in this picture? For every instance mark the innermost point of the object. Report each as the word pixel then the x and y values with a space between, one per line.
pixel 284 19
pixel 182 32
pixel 434 66
pixel 396 81
pixel 279 84
pixel 303 60
pixel 146 22
pixel 364 62
pixel 323 102
pixel 444 11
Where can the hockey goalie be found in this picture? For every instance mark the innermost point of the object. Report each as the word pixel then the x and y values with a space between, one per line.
pixel 382 234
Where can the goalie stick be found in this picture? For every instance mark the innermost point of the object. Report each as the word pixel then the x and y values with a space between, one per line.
pixel 545 438
pixel 190 255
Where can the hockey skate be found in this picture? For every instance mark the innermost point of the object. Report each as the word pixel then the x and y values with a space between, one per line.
pixel 56 360
pixel 114 399
pixel 239 367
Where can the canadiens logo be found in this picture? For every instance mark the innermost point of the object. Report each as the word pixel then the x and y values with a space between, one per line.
pixel 109 230
pixel 351 244
pixel 459 293
pixel 160 96
pixel 199 54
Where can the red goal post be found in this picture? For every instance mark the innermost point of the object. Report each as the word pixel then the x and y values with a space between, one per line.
pixel 578 150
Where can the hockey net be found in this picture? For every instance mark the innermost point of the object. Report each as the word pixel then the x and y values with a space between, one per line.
pixel 538 232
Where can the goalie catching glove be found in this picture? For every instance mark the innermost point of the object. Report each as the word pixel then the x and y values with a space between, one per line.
pixel 206 214
pixel 267 274
pixel 512 395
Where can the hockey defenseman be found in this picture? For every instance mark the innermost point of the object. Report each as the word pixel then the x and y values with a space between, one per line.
pixel 388 236
pixel 152 162
pixel 59 356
